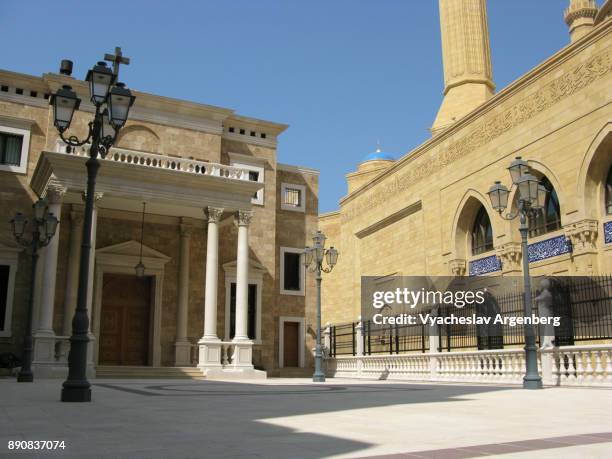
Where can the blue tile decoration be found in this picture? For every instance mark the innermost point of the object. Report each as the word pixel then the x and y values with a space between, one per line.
pixel 548 248
pixel 485 265
pixel 608 232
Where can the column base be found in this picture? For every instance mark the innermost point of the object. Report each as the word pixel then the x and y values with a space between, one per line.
pixel 231 373
pixel 209 355
pixel 182 353
pixel 242 355
pixel 44 347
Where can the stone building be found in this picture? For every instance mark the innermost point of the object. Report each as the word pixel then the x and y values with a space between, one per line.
pixel 428 213
pixel 202 178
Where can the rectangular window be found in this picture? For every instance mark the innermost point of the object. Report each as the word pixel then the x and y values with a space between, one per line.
pixel 293 197
pixel 252 311
pixel 10 149
pixel 292 271
pixel 4 281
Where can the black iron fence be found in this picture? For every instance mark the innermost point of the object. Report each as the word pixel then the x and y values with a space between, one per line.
pixel 583 303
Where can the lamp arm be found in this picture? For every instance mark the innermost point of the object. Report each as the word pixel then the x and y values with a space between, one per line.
pixel 327 270
pixel 73 140
pixel 23 242
pixel 510 216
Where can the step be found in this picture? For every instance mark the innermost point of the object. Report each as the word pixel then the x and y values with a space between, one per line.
pixel 120 371
pixel 291 372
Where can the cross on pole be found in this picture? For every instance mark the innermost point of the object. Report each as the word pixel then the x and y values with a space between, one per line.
pixel 117 59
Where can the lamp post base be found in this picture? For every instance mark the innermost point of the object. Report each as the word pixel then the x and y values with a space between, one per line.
pixel 318 377
pixel 76 394
pixel 25 377
pixel 532 383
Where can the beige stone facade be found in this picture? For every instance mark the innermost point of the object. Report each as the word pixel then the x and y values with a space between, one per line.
pixel 415 216
pixel 156 160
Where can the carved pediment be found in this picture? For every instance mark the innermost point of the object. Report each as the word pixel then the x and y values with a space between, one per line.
pixel 128 254
pixel 132 248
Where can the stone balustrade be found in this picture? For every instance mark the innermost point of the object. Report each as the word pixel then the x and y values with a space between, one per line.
pixel 589 365
pixel 582 365
pixel 152 160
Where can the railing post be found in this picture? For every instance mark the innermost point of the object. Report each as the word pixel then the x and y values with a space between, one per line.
pixel 359 337
pixel 435 345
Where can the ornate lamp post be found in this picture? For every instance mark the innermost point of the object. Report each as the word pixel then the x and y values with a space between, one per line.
pixel 112 105
pixel 314 257
pixel 45 225
pixel 531 197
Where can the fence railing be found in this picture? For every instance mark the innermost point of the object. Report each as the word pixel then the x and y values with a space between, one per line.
pixel 563 366
pixel 584 305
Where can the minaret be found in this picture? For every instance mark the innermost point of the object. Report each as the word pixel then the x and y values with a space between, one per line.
pixel 580 18
pixel 468 78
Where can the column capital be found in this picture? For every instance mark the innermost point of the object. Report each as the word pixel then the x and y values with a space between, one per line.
pixel 185 229
pixel 243 217
pixel 583 235
pixel 97 196
pixel 457 267
pixel 213 214
pixel 55 191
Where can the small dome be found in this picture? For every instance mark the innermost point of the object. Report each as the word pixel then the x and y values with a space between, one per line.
pixel 378 155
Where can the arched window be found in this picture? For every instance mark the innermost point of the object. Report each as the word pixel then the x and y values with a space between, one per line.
pixel 609 192
pixel 482 233
pixel 549 218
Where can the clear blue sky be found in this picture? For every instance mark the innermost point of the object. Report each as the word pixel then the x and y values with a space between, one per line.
pixel 341 73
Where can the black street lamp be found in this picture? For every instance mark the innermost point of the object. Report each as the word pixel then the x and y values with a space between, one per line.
pixel 45 225
pixel 102 134
pixel 313 259
pixel 531 198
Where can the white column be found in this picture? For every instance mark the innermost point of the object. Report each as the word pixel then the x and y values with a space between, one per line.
pixel 182 346
pixel 92 256
pixel 92 348
pixel 72 278
pixel 242 220
pixel 210 344
pixel 242 356
pixel 44 345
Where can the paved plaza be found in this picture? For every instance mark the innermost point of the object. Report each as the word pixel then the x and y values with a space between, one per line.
pixel 294 418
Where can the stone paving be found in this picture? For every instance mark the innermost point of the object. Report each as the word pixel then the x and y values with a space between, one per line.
pixel 294 418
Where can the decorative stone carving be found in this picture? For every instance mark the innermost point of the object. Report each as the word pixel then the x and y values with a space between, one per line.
pixel 511 256
pixel 583 236
pixel 485 130
pixel 457 267
pixel 214 214
pixel 243 217
pixel 55 192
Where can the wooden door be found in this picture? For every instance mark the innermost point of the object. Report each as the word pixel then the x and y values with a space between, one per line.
pixel 125 320
pixel 291 339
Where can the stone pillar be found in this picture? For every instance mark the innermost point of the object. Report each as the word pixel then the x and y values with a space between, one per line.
pixel 182 346
pixel 72 274
pixel 90 284
pixel 210 344
pixel 243 347
pixel 44 338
